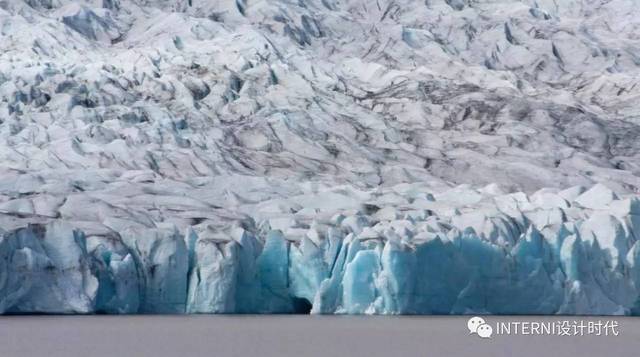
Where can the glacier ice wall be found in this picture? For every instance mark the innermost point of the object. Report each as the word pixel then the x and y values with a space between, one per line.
pixel 353 156
pixel 499 253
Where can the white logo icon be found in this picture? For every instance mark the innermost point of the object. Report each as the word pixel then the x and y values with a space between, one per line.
pixel 485 331
pixel 474 323
pixel 478 326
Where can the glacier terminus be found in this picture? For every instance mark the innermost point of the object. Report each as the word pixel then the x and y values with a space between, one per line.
pixel 320 156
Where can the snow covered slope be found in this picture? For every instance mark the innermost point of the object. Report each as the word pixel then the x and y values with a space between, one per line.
pixel 340 156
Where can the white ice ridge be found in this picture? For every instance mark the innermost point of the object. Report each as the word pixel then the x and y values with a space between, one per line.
pixel 406 251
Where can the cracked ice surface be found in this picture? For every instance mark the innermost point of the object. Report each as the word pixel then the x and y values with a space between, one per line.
pixel 400 156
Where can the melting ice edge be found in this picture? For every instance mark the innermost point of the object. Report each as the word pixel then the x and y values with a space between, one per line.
pixel 568 252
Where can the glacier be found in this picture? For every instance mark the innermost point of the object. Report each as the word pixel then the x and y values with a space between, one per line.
pixel 502 254
pixel 319 156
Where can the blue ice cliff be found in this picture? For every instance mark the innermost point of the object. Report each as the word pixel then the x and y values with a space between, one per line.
pixel 567 252
pixel 323 156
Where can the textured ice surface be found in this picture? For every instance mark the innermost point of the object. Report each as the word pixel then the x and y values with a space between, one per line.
pixel 340 156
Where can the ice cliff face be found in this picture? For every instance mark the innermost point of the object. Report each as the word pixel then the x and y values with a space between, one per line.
pixel 339 156
pixel 461 251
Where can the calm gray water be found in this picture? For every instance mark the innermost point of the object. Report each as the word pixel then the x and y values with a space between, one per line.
pixel 345 336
